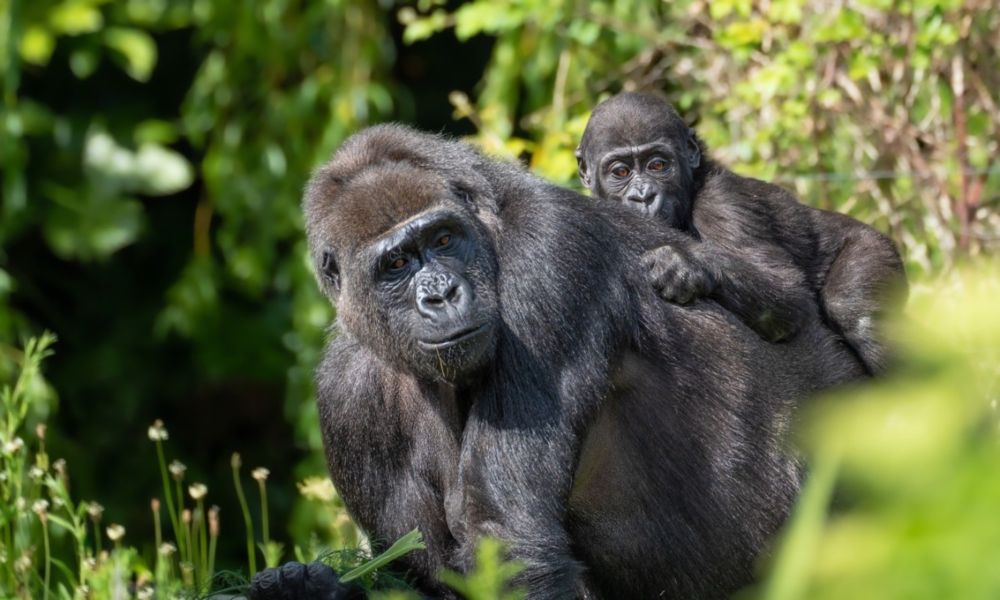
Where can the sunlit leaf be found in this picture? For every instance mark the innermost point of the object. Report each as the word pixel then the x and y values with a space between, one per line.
pixel 138 49
pixel 161 171
pixel 37 45
pixel 74 17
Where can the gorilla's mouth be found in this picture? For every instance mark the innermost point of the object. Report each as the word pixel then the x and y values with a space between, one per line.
pixel 454 338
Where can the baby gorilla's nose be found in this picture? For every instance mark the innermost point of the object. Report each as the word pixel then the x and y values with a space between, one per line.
pixel 643 193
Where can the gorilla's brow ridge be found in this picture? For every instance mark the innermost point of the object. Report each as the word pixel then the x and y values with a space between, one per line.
pixel 408 229
pixel 630 151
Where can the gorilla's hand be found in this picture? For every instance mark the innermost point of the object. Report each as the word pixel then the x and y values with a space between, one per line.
pixel 296 581
pixel 678 273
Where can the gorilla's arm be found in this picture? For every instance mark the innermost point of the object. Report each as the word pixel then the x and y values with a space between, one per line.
pixel 754 279
pixel 391 452
pixel 846 270
pixel 565 307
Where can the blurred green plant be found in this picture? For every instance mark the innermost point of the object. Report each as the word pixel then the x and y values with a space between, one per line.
pixel 491 577
pixel 90 210
pixel 914 458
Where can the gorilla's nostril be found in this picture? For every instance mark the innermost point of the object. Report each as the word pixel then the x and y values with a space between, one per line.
pixel 645 196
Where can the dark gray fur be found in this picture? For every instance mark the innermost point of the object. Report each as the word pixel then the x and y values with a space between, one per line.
pixel 622 446
pixel 755 248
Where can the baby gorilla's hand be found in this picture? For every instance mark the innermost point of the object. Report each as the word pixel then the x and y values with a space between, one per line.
pixel 296 581
pixel 678 274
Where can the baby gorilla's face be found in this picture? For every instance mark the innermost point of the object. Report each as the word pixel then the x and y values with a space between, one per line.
pixel 637 151
pixel 648 178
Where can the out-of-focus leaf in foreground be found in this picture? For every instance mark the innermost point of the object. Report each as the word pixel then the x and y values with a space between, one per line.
pixel 916 458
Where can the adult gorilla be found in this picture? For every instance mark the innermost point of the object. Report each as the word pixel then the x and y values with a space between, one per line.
pixel 496 371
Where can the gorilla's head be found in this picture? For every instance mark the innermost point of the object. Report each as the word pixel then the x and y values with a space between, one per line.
pixel 400 251
pixel 637 150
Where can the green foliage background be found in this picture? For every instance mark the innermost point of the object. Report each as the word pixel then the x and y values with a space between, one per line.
pixel 153 153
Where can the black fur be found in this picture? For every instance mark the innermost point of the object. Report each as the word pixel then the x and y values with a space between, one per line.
pixel 620 445
pixel 755 248
pixel 294 581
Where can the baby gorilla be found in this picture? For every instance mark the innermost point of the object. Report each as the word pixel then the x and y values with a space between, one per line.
pixel 754 248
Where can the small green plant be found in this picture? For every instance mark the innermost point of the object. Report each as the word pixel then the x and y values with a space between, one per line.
pixel 491 577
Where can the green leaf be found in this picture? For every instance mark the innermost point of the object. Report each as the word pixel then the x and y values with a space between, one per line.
pixel 37 45
pixel 488 17
pixel 153 170
pixel 743 33
pixel 797 547
pixel 83 62
pixel 491 577
pixel 844 26
pixel 155 131
pixel 161 171
pixel 6 284
pixel 138 49
pixel 62 523
pixel 421 28
pixel 74 17
pixel 584 32
pixel 786 11
pixel 403 546
pixel 86 224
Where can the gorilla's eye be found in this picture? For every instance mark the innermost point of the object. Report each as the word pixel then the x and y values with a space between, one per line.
pixel 444 241
pixel 621 171
pixel 399 263
pixel 657 164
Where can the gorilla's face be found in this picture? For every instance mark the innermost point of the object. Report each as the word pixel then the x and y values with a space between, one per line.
pixel 413 271
pixel 637 151
pixel 648 178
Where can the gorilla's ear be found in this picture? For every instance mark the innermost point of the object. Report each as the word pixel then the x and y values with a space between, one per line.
pixel 329 272
pixel 474 194
pixel 581 169
pixel 693 150
pixel 462 192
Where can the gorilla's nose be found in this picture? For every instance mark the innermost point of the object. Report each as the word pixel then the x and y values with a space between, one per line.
pixel 440 294
pixel 641 193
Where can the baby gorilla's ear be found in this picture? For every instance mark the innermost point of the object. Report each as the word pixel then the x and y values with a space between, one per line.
pixel 581 169
pixel 693 150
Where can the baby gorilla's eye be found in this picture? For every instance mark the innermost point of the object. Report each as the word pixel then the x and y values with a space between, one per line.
pixel 620 171
pixel 657 164
pixel 444 241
